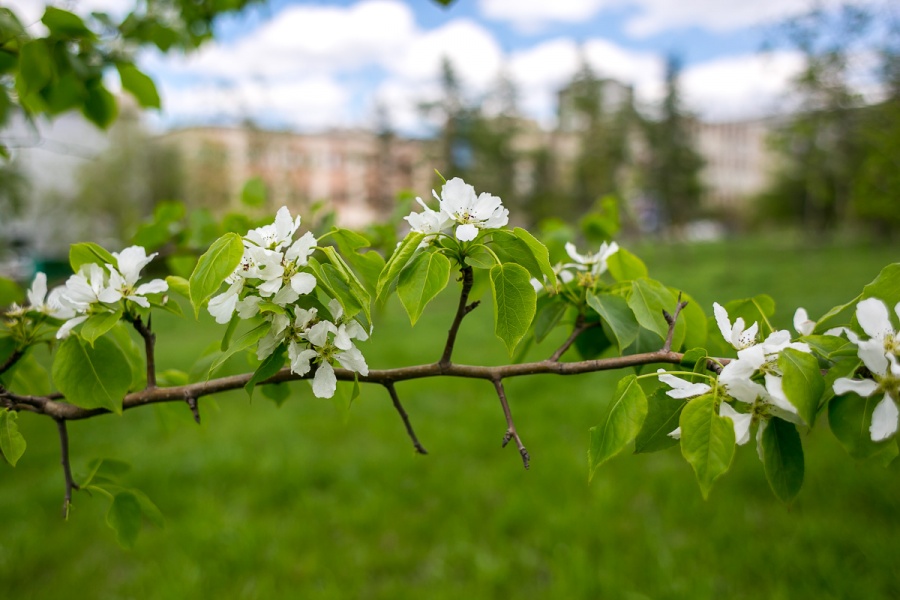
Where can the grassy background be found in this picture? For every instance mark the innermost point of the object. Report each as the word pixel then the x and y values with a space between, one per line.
pixel 304 501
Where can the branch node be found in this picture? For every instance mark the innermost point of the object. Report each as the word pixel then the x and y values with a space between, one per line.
pixel 511 433
pixel 671 320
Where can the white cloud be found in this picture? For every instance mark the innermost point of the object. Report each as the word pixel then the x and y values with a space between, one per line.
pixel 751 85
pixel 530 15
pixel 650 16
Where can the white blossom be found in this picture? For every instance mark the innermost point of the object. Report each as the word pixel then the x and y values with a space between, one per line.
pixel 50 305
pixel 277 235
pixel 593 262
pixel 736 335
pixel 124 278
pixel 428 221
pixel 471 213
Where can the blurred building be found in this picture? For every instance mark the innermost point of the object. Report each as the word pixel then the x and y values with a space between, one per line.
pixel 358 172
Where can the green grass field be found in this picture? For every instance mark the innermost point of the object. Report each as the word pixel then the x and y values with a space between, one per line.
pixel 304 501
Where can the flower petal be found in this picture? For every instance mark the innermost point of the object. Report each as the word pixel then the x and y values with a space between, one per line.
pixel 324 383
pixel 871 352
pixel 722 321
pixel 38 290
pixel 67 327
pixel 802 323
pixel 466 233
pixel 872 315
pixel 303 283
pixel 860 387
pixel 884 420
pixel 740 421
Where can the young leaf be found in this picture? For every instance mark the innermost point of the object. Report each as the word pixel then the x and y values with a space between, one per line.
pixel 337 287
pixel 663 414
pixel 480 258
pixel 783 459
pixel 885 287
pixel 510 249
pixel 623 265
pixel 514 303
pixel 803 383
pixel 86 253
pixel 269 367
pixel 617 316
pixel 244 342
pixel 620 422
pixel 849 417
pixel 422 279
pixel 65 24
pixel 647 300
pixel 11 441
pixel 92 377
pixel 124 517
pixel 707 441
pixel 139 85
pixel 549 312
pixel 540 253
pixel 99 324
pixel 398 260
pixel 214 266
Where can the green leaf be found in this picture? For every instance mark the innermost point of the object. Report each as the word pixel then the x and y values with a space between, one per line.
pixel 214 266
pixel 11 441
pixel 849 417
pixel 28 376
pixel 480 258
pixel 134 354
pixel 550 310
pixel 277 392
pixel 623 266
pixel 515 302
pixel 663 414
pixel 268 368
pixel 647 300
pixel 783 459
pixel 707 441
pixel 592 343
pixel 98 324
pixel 245 341
pixel 540 253
pixel 354 285
pixel 885 287
pixel 332 281
pixel 753 310
pixel 620 422
pixel 100 105
pixel 149 508
pixel 368 264
pixel 105 470
pixel 401 256
pixel 617 316
pixel 179 285
pixel 92 377
pixel 35 67
pixel 139 85
pixel 510 249
pixel 803 383
pixel 696 329
pixel 124 517
pixel 229 331
pixel 65 24
pixel 86 253
pixel 422 279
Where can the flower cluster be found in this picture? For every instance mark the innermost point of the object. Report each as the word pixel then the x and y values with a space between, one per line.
pixel 754 378
pixel 273 281
pixel 95 289
pixel 459 206
pixel 881 355
pixel 586 267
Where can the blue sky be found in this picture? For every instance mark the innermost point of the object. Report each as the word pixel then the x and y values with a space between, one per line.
pixel 313 65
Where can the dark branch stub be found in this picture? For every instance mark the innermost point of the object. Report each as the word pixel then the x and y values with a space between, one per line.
pixel 389 386
pixel 671 320
pixel 511 433
pixel 67 469
pixel 194 406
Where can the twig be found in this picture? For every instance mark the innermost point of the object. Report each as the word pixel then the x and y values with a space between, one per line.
pixel 461 311
pixel 671 319
pixel 11 360
pixel 194 406
pixel 579 328
pixel 399 407
pixel 67 469
pixel 149 342
pixel 511 433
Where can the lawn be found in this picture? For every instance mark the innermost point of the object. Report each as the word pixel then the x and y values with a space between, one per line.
pixel 310 501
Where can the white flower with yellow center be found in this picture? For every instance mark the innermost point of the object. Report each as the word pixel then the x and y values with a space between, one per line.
pixel 471 213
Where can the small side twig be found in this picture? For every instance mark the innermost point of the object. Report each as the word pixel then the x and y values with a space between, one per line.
pixel 579 328
pixel 67 469
pixel 461 311
pixel 511 433
pixel 671 320
pixel 389 386
pixel 11 360
pixel 149 343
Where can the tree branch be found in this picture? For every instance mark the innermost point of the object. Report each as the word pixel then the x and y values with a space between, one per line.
pixel 511 433
pixel 149 343
pixel 389 385
pixel 579 328
pixel 53 407
pixel 67 469
pixel 461 311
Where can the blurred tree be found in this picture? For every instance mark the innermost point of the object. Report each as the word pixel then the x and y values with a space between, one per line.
pixel 13 188
pixel 672 165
